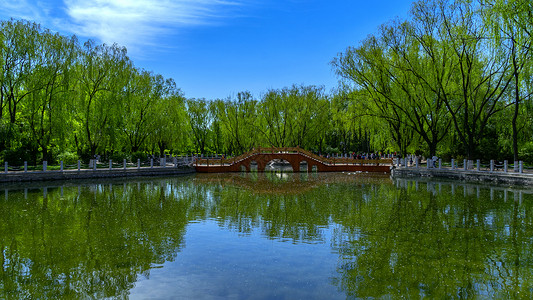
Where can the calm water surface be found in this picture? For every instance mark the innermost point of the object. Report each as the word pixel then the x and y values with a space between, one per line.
pixel 266 236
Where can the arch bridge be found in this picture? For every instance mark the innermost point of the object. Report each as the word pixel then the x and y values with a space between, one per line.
pixel 294 156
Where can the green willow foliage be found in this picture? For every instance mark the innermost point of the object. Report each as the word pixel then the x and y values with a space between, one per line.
pixel 59 98
pixel 63 100
pixel 450 79
pixel 454 79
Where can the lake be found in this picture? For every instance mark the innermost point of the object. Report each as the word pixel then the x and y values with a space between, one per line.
pixel 266 236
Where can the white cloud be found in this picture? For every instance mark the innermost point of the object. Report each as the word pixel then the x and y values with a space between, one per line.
pixel 130 23
pixel 142 22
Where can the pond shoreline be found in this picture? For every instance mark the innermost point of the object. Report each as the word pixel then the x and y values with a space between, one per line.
pixel 465 175
pixel 31 176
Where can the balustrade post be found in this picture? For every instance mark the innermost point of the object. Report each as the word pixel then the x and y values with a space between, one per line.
pixel 45 165
pixel 440 163
pixel 505 166
pixel 94 164
pixel 110 164
pixel 151 162
pixel 478 165
pixel 521 167
pixel 492 165
pixel 124 163
pixel 79 165
pixel 5 167
pixel 25 166
pixel 138 163
pixel 465 164
pixel 453 164
pixel 61 167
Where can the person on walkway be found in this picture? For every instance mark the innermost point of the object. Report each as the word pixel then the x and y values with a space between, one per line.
pixel 434 160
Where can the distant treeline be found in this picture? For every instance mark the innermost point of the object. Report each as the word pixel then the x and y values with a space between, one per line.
pixel 453 80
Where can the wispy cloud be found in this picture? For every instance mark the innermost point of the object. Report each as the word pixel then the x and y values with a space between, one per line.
pixel 24 9
pixel 131 23
pixel 140 22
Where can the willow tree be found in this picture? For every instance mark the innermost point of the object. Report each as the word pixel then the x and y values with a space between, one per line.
pixel 510 23
pixel 142 91
pixel 422 69
pixel 47 109
pixel 169 128
pixel 274 111
pixel 238 118
pixel 311 112
pixel 406 69
pixel 200 119
pixel 438 67
pixel 342 130
pixel 18 59
pixel 481 76
pixel 352 128
pixel 100 76
pixel 294 116
pixel 367 69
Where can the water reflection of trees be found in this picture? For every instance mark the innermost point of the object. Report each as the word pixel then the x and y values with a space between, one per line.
pixel 89 242
pixel 421 243
pixel 298 208
pixel 413 239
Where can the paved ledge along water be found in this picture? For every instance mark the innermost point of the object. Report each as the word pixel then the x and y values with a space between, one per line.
pixel 20 176
pixel 465 175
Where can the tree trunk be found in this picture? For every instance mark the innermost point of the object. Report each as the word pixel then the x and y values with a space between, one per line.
pixel 516 107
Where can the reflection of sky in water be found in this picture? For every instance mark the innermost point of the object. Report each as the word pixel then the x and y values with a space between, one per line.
pixel 216 263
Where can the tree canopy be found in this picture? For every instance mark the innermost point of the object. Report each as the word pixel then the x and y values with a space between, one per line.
pixel 452 79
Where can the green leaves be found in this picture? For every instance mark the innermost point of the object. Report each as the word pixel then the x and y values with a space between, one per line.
pixel 442 68
pixel 65 97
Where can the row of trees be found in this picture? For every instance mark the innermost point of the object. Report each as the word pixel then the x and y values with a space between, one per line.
pixel 454 79
pixel 287 117
pixel 60 100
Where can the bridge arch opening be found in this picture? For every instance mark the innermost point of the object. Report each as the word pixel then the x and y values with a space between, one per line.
pixel 303 166
pixel 278 165
pixel 253 166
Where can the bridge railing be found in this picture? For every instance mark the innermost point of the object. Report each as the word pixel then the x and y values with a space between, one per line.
pixel 226 161
pixel 272 150
pixel 237 159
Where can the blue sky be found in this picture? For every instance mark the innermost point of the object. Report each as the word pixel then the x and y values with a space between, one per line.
pixel 217 48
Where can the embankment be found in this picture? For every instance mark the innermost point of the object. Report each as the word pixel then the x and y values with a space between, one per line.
pixel 90 174
pixel 465 175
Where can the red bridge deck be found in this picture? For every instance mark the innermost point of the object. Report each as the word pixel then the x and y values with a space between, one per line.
pixel 295 156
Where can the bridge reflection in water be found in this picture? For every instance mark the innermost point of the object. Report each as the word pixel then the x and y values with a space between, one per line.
pixel 287 183
pixel 295 157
